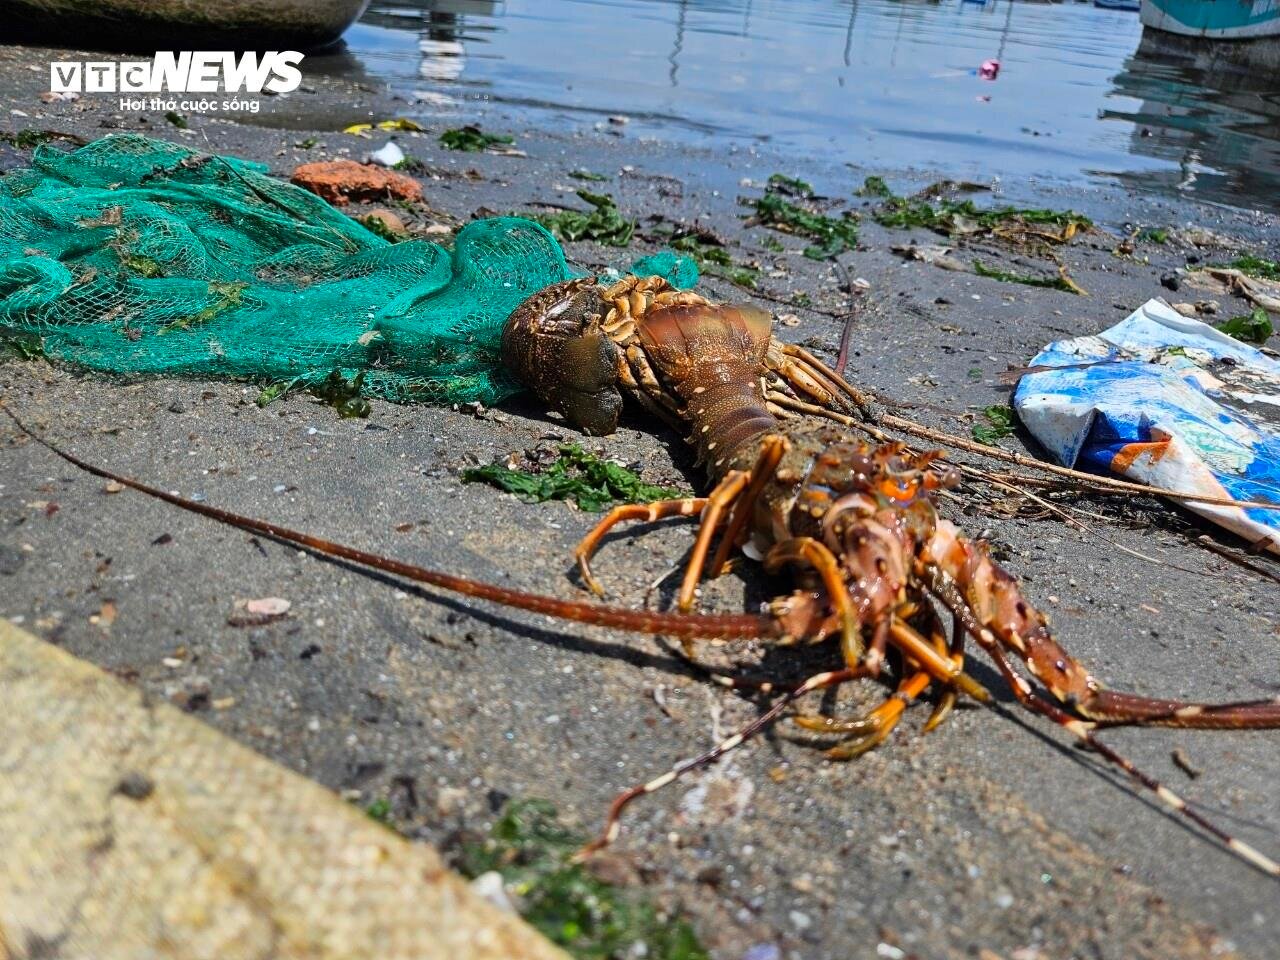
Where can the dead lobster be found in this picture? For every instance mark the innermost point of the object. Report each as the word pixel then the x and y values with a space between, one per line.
pixel 853 519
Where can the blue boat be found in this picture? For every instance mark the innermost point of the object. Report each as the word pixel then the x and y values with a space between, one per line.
pixel 1130 5
pixel 1245 33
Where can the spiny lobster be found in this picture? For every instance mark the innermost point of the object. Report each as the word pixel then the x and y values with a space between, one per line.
pixel 853 519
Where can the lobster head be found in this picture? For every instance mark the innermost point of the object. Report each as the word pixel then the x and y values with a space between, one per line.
pixel 555 345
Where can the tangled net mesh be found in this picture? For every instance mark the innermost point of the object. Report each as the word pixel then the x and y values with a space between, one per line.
pixel 132 256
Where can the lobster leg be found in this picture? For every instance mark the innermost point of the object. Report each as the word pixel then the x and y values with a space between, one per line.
pixel 885 717
pixel 942 668
pixel 947 700
pixel 805 372
pixel 875 653
pixel 771 451
pixel 869 731
pixel 812 553
pixel 648 512
pixel 717 501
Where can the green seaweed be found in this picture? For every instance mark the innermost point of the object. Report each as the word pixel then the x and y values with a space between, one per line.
pixel 1254 267
pixel 229 296
pixel 29 138
pixel 587 175
pixel 1253 327
pixel 1158 235
pixel 791 186
pixel 342 394
pixel 20 344
pixel 177 119
pixel 950 217
pixel 591 482
pixel 379 228
pixel 591 919
pixel 145 267
pixel 999 424
pixel 834 235
pixel 409 164
pixel 874 186
pixel 714 260
pixel 1004 276
pixel 604 224
pixel 380 810
pixel 274 391
pixel 471 139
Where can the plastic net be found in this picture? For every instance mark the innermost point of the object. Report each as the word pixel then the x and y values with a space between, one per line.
pixel 134 256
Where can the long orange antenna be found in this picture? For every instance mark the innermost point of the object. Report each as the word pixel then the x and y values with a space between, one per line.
pixel 711 627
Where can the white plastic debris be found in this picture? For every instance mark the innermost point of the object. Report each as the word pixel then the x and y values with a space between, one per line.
pixel 1167 401
pixel 388 156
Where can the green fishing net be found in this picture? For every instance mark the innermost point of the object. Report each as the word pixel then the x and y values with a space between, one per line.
pixel 133 256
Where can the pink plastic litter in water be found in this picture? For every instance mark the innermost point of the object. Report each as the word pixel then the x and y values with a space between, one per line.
pixel 989 70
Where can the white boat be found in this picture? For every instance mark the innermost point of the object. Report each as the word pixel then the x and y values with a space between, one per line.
pixel 1245 33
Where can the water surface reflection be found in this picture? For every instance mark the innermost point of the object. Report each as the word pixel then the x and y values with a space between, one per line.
pixel 882 83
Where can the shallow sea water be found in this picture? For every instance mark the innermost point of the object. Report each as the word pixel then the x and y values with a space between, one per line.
pixel 887 84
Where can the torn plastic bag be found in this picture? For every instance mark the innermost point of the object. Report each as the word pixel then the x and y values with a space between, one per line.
pixel 1166 401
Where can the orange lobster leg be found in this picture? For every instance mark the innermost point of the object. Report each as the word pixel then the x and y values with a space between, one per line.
pixel 717 501
pixel 949 696
pixel 771 450
pixel 648 512
pixel 826 376
pixel 942 668
pixel 885 717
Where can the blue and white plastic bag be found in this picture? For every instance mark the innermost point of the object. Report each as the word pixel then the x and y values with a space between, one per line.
pixel 1166 401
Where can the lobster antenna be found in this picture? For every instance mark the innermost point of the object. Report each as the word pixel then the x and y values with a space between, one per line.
pixel 1082 730
pixel 687 625
pixel 612 825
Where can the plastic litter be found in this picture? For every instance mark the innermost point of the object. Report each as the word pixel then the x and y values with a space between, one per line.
pixel 133 256
pixel 388 156
pixel 989 69
pixel 1168 401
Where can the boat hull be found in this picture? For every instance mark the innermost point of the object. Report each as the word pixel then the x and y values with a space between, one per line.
pixel 1216 35
pixel 182 24
pixel 1214 19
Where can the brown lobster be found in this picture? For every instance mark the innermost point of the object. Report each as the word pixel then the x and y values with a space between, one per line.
pixel 853 519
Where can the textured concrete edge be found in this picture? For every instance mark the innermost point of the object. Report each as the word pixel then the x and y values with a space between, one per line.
pixel 131 830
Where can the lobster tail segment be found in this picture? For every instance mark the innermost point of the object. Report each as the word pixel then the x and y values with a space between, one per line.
pixel 712 356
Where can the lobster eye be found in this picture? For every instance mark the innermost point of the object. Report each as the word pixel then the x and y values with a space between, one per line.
pixel 554 345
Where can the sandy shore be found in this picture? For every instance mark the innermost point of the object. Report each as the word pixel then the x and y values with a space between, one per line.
pixel 987 838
